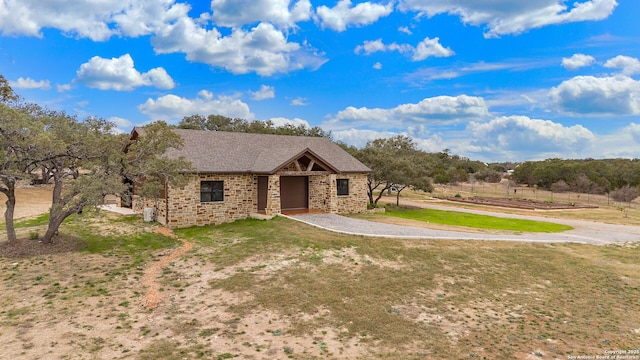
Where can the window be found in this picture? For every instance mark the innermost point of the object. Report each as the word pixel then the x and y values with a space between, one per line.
pixel 211 191
pixel 343 186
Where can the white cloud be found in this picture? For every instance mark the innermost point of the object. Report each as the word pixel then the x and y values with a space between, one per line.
pixel 120 74
pixel 514 16
pixel 628 64
pixel 122 125
pixel 265 92
pixel 405 29
pixel 343 15
pixel 377 66
pixel 281 121
pixel 621 143
pixel 299 101
pixel 29 83
pixel 360 137
pixel 425 49
pixel 577 61
pixel 516 135
pixel 263 49
pixel 96 20
pixel 173 108
pixel 435 110
pixel 63 87
pixel 234 13
pixel 588 95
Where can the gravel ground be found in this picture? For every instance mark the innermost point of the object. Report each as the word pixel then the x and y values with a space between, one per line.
pixel 586 232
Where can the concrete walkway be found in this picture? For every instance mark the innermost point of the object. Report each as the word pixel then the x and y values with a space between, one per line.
pixel 117 209
pixel 585 232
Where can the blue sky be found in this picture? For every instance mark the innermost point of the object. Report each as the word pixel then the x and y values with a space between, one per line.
pixel 492 80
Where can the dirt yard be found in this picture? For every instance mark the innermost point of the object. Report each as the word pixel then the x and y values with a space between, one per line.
pixel 233 296
pixel 30 201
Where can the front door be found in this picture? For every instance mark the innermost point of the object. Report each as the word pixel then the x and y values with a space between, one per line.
pixel 263 188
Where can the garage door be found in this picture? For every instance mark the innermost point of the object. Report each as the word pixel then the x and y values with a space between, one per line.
pixel 294 192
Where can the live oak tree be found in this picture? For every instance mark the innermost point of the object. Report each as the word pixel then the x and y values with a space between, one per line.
pixel 223 123
pixel 17 130
pixel 144 163
pixel 82 161
pixel 395 163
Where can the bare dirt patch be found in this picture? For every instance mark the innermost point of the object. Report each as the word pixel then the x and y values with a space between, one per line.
pixel 30 201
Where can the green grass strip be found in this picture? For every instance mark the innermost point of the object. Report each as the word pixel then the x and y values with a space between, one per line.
pixel 470 220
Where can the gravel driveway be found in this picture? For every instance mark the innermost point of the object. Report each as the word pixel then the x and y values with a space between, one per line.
pixel 586 232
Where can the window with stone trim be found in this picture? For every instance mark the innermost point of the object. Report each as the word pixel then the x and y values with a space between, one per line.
pixel 343 186
pixel 211 191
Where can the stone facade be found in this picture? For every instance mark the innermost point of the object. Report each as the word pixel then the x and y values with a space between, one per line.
pixel 356 201
pixel 183 208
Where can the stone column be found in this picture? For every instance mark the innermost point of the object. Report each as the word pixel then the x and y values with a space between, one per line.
pixel 273 196
pixel 332 194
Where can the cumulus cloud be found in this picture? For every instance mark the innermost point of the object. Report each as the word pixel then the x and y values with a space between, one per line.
pixel 435 110
pixel 425 49
pixel 63 87
pixel 588 95
pixel 263 49
pixel 234 13
pixel 29 83
pixel 96 20
pixel 520 134
pixel 299 101
pixel 282 121
pixel 344 14
pixel 513 17
pixel 265 92
pixel 628 64
pixel 360 137
pixel 173 108
pixel 577 61
pixel 122 125
pixel 620 143
pixel 120 74
pixel 377 66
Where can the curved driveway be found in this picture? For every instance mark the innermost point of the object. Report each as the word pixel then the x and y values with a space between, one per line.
pixel 586 232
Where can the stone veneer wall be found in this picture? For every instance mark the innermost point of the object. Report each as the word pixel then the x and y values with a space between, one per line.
pixel 356 201
pixel 274 205
pixel 323 193
pixel 240 200
pixel 159 207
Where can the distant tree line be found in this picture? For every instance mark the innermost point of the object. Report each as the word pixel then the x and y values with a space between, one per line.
pixel 619 178
pixel 223 123
pixel 584 176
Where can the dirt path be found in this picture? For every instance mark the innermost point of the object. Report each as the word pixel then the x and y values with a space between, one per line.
pixel 149 280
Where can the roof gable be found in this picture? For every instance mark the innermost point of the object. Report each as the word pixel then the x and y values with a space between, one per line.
pixel 232 152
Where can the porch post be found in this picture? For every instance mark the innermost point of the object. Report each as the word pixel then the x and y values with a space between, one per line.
pixel 273 196
pixel 332 194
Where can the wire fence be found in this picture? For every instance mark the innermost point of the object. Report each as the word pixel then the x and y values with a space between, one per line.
pixel 506 190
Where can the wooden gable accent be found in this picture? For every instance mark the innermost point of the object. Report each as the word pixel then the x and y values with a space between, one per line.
pixel 304 165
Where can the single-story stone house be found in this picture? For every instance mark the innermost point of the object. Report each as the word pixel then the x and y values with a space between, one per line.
pixel 241 174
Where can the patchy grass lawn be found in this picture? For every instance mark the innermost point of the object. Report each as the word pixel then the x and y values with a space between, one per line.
pixel 281 289
pixel 462 219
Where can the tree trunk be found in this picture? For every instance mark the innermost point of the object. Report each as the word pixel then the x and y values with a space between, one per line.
pixel 54 223
pixel 57 213
pixel 8 213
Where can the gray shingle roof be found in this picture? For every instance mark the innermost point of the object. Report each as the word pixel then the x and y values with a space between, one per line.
pixel 232 152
